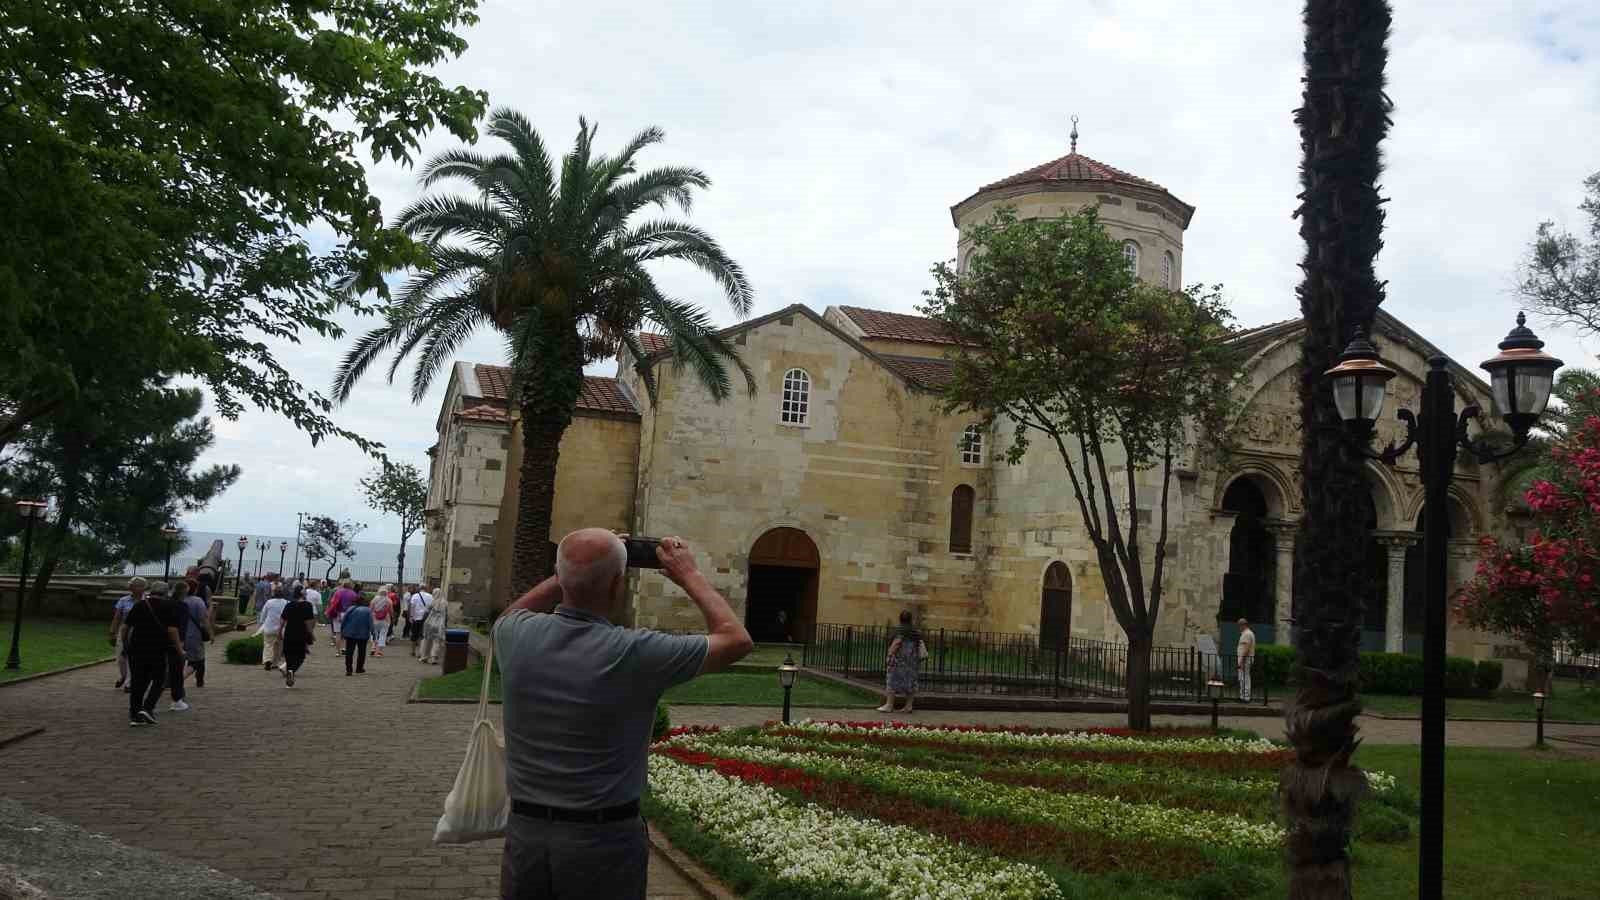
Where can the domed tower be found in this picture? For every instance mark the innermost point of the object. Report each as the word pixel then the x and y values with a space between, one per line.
pixel 1143 215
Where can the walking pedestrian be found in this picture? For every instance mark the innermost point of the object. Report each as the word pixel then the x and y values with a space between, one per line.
pixel 357 630
pixel 176 661
pixel 906 653
pixel 263 593
pixel 271 618
pixel 418 609
pixel 297 630
pixel 246 585
pixel 382 607
pixel 433 630
pixel 343 599
pixel 313 596
pixel 119 613
pixel 150 633
pixel 198 633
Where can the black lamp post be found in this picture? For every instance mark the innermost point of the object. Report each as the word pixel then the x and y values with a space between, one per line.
pixel 1538 709
pixel 283 550
pixel 238 573
pixel 1520 378
pixel 261 555
pixel 29 510
pixel 786 673
pixel 1214 689
pixel 170 533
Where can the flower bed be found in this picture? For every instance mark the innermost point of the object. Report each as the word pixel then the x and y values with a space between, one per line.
pixel 859 809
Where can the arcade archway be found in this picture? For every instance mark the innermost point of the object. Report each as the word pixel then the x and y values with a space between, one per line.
pixel 781 603
pixel 1055 606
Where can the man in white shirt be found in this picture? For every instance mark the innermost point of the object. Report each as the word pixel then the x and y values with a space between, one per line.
pixel 271 617
pixel 1246 657
pixel 314 597
pixel 420 603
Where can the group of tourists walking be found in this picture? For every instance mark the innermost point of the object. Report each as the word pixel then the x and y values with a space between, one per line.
pixel 161 630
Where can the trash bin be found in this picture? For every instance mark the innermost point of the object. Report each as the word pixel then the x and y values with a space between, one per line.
pixel 456 649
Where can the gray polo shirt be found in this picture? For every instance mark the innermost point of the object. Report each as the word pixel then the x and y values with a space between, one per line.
pixel 580 698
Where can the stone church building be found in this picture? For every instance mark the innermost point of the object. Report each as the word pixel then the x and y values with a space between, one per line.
pixel 841 492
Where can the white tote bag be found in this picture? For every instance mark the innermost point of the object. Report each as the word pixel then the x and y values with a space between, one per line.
pixel 478 805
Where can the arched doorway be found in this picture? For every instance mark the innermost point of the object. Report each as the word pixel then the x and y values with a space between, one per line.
pixel 1055 606
pixel 781 604
pixel 1456 523
pixel 1249 584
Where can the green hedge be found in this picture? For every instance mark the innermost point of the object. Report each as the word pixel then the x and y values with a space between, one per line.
pixel 663 723
pixel 245 651
pixel 1390 673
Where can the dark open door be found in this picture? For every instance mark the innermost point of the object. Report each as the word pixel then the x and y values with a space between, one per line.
pixel 1055 606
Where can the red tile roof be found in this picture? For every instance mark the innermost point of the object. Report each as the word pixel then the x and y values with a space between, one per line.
pixel 494 381
pixel 601 394
pixel 929 373
pixel 1073 167
pixel 651 342
pixel 876 324
pixel 598 394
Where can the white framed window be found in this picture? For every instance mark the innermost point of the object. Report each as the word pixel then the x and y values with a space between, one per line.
pixel 1169 271
pixel 1130 255
pixel 972 446
pixel 796 397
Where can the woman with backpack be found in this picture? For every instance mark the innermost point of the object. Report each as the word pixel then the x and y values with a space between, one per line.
pixel 382 609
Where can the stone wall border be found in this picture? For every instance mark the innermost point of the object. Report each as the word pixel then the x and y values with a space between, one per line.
pixel 703 881
pixel 72 668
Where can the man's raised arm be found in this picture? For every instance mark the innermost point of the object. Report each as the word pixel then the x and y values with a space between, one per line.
pixel 729 641
pixel 542 598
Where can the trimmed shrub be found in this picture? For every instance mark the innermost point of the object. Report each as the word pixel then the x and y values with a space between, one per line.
pixel 663 723
pixel 1273 664
pixel 1486 677
pixel 1391 673
pixel 1458 676
pixel 245 651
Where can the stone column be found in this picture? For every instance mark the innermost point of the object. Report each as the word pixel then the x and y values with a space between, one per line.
pixel 1283 535
pixel 1394 624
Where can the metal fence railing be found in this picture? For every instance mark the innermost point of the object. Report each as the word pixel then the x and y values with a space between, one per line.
pixel 983 662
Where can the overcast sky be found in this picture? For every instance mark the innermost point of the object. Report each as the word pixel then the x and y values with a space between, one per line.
pixel 838 135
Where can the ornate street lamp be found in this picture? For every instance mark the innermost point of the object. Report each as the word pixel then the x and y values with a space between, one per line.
pixel 170 532
pixel 261 555
pixel 1214 690
pixel 283 550
pixel 1538 709
pixel 238 573
pixel 1520 379
pixel 29 511
pixel 786 674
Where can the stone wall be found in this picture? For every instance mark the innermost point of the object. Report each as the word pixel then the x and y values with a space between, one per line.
pixel 471 514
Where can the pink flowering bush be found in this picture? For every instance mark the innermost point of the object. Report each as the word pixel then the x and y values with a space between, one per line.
pixel 1544 592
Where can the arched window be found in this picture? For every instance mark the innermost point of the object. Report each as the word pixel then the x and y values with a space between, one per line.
pixel 972 445
pixel 961 519
pixel 796 397
pixel 1130 255
pixel 1169 271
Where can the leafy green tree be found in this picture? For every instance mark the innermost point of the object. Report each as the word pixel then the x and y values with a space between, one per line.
pixel 117 476
pixel 400 490
pixel 1561 276
pixel 324 537
pixel 1343 117
pixel 554 257
pixel 163 164
pixel 1055 336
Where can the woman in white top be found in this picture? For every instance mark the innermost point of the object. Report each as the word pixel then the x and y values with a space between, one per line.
pixel 433 631
pixel 382 609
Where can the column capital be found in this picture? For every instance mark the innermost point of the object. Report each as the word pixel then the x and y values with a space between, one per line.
pixel 1284 532
pixel 1396 538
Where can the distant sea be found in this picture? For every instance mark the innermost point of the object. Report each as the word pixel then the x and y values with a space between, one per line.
pixel 374 560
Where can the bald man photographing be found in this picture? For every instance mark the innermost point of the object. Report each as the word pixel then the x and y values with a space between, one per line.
pixel 580 697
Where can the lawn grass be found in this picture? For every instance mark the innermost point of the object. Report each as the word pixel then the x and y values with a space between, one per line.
pixel 720 689
pixel 1518 823
pixel 1567 702
pixel 51 644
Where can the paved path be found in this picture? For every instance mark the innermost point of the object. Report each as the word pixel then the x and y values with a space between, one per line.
pixel 328 790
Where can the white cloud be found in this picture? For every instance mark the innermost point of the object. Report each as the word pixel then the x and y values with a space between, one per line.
pixel 838 135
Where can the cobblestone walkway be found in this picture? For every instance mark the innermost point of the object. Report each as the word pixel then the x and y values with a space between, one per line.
pixel 328 790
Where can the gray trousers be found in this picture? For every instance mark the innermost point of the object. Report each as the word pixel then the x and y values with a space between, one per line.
pixel 559 860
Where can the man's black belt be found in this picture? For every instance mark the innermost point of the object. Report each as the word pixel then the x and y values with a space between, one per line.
pixel 629 810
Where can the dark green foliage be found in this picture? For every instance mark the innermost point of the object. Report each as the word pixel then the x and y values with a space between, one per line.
pixel 1486 677
pixel 662 725
pixel 1561 277
pixel 244 651
pixel 552 255
pixel 324 538
pixel 1274 664
pixel 164 164
pixel 400 490
pixel 1459 675
pixel 1401 673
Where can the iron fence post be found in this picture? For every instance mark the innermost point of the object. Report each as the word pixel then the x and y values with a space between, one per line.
pixel 849 632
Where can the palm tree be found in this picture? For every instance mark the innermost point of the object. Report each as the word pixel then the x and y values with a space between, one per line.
pixel 1344 116
pixel 554 259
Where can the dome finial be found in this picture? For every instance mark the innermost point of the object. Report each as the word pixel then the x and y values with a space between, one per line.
pixel 1074 134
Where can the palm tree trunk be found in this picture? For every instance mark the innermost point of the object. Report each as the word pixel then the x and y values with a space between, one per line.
pixel 1343 118
pixel 549 395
